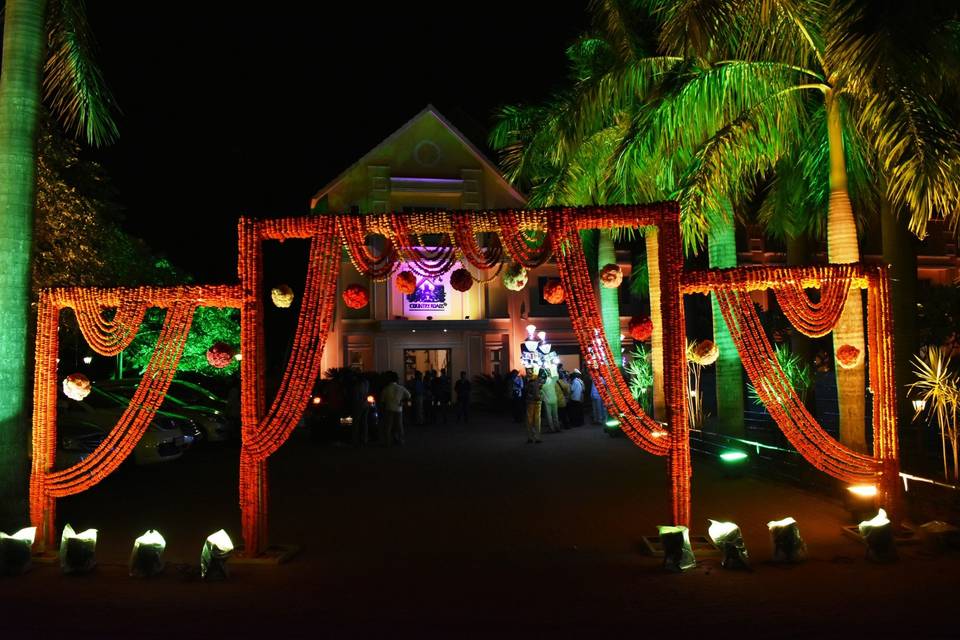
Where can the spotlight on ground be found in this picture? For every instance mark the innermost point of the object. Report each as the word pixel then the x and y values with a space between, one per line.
pixel 734 462
pixel 213 559
pixel 677 552
pixel 861 501
pixel 146 559
pixel 78 551
pixel 727 536
pixel 15 551
pixel 788 546
pixel 878 534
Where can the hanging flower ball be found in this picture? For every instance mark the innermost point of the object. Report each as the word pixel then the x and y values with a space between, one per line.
pixel 641 328
pixel 461 280
pixel 848 356
pixel 553 292
pixel 515 277
pixel 76 386
pixel 355 296
pixel 282 296
pixel 220 355
pixel 703 353
pixel 406 282
pixel 611 276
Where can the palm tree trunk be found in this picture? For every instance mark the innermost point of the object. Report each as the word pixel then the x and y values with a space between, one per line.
pixel 656 317
pixel 24 38
pixel 722 249
pixel 900 252
pixel 609 298
pixel 842 247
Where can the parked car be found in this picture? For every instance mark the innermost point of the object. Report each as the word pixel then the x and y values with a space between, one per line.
pixel 328 415
pixel 81 428
pixel 208 420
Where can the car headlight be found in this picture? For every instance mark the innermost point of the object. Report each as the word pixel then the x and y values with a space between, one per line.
pixel 348 420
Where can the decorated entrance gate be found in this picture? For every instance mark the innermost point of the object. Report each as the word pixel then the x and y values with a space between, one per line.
pixel 529 237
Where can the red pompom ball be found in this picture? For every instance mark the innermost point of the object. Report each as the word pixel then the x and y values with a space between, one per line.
pixel 848 356
pixel 220 355
pixel 461 280
pixel 355 296
pixel 553 292
pixel 641 328
pixel 406 282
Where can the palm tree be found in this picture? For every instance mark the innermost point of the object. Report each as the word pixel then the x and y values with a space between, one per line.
pixel 764 80
pixel 75 91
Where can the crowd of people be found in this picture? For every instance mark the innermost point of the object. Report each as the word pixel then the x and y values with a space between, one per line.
pixel 546 400
pixel 554 398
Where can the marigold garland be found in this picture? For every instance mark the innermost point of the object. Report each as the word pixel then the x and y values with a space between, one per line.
pixel 405 282
pixel 355 296
pixel 553 292
pixel 611 276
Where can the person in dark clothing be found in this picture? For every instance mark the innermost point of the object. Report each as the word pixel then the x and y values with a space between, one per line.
pixel 441 395
pixel 417 391
pixel 462 388
pixel 515 394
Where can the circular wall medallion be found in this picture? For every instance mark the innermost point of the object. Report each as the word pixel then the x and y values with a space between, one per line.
pixel 426 153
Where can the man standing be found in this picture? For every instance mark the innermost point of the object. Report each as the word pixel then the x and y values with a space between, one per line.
pixel 532 396
pixel 515 390
pixel 393 396
pixel 462 388
pixel 576 399
pixel 549 393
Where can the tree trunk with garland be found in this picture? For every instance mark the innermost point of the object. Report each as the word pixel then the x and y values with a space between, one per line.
pixel 842 247
pixel 656 339
pixel 24 38
pixel 722 249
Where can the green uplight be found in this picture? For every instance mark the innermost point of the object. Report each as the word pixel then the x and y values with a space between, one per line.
pixel 612 422
pixel 733 456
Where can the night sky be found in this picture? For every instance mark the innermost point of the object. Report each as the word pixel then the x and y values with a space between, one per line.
pixel 229 112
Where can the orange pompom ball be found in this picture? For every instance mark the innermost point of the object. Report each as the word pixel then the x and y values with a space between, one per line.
pixel 220 355
pixel 848 356
pixel 355 296
pixel 76 386
pixel 461 280
pixel 641 328
pixel 406 282
pixel 553 292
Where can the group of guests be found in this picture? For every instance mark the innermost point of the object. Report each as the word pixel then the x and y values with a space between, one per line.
pixel 555 398
pixel 431 397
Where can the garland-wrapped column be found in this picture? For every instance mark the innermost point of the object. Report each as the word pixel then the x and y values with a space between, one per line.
pixel 42 505
pixel 675 375
pixel 652 242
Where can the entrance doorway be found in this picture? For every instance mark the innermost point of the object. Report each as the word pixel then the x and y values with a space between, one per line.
pixel 424 360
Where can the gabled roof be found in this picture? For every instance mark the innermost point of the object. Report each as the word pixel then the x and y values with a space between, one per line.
pixel 428 111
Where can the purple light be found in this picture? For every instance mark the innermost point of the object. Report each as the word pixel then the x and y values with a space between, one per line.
pixel 439 180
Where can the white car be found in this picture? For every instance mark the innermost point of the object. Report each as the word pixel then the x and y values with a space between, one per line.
pixel 81 428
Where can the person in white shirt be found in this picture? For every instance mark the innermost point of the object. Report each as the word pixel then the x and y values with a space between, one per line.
pixel 576 399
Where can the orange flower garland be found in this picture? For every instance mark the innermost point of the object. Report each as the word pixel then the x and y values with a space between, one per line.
pixel 355 296
pixel 553 292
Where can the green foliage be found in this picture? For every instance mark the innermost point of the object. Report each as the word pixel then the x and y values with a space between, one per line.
pixel 798 372
pixel 210 325
pixel 639 370
pixel 938 385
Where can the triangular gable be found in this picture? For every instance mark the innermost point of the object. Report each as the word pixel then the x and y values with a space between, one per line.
pixel 428 112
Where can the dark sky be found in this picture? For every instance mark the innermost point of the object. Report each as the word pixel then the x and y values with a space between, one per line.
pixel 228 111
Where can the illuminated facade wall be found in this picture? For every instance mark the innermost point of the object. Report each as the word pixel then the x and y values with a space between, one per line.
pixel 428 163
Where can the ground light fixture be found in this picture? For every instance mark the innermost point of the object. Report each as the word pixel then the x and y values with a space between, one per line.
pixel 727 536
pixel 734 462
pixel 788 546
pixel 146 559
pixel 78 551
pixel 217 549
pixel 861 501
pixel 677 552
pixel 918 406
pixel 878 534
pixel 87 359
pixel 15 551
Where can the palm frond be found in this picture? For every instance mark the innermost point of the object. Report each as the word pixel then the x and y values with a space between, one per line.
pixel 73 84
